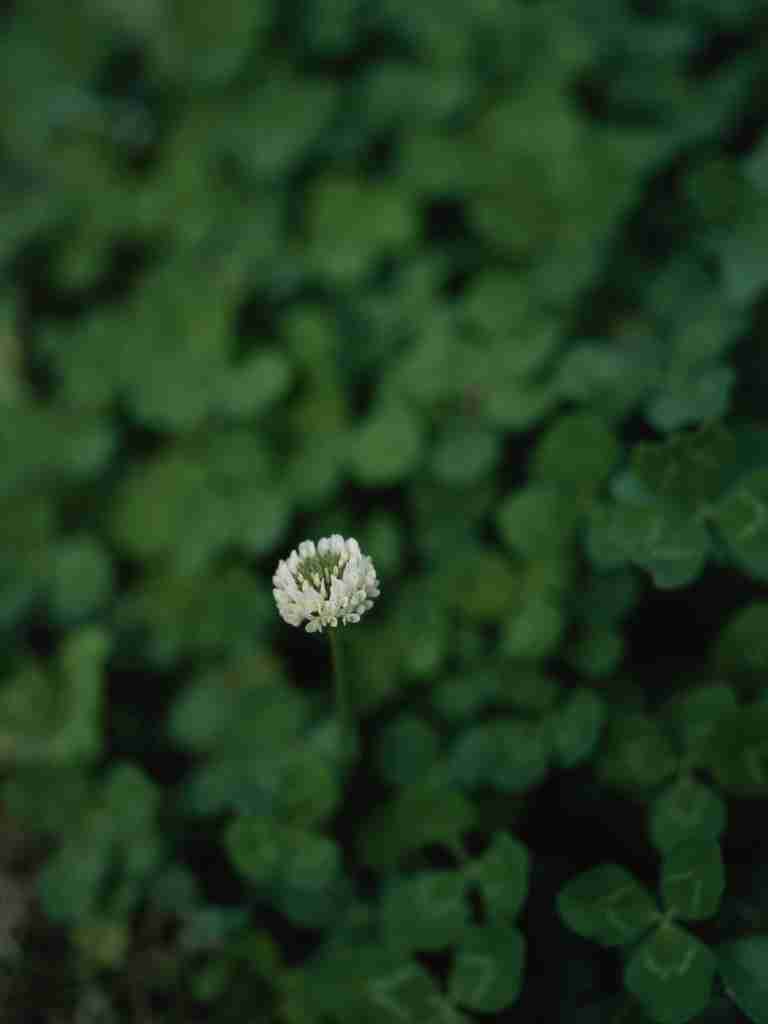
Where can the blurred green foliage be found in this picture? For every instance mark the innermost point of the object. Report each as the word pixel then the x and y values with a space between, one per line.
pixel 484 286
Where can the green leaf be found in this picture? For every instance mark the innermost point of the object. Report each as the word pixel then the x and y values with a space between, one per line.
pixel 460 699
pixel 82 660
pixel 407 749
pixel 611 376
pixel 671 974
pixel 744 969
pixel 686 810
pixel 611 537
pixel 70 882
pixel 534 631
pixel 636 753
pixel 464 454
pixel 406 994
pixel 210 926
pixel 255 848
pixel 46 796
pixel 28 526
pixel 82 578
pixel 159 503
pixel 488 969
pixel 298 864
pixel 511 404
pixel 741 254
pixel 523 754
pixel 738 753
pixel 510 754
pixel 176 890
pixel 673 548
pixel 718 190
pixel 27 712
pixel 687 470
pixel 525 687
pixel 251 387
pixel 425 912
pixel 700 395
pixel 423 637
pixel 316 908
pixel 224 784
pixel 608 905
pixel 482 584
pixel 693 879
pixel 495 303
pixel 202 713
pixel 536 521
pixel 433 813
pixel 308 791
pixel 383 538
pixel 351 222
pixel 427 811
pixel 519 219
pixel 309 861
pixel 597 651
pixel 577 452
pixel 674 553
pixel 502 874
pixel 269 131
pixel 474 755
pixel 609 598
pixel 742 646
pixel 742 517
pixel 696 714
pixel 387 447
pixel 138 860
pixel 576 726
pixel 221 710
pixel 103 941
pixel 131 801
pixel 194 46
pixel 212 980
pixel 517 335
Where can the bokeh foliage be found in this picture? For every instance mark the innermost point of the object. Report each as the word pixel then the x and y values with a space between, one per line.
pixel 482 285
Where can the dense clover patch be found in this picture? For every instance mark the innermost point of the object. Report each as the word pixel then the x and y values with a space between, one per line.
pixel 483 286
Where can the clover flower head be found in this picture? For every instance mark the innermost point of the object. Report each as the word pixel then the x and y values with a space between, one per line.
pixel 325 584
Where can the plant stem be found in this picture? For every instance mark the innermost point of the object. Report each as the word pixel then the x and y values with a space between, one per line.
pixel 343 709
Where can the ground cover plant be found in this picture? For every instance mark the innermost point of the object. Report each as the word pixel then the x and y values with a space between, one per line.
pixel 483 287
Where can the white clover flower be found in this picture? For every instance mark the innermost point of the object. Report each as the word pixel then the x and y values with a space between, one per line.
pixel 325 584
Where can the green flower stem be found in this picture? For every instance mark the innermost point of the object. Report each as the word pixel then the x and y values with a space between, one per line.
pixel 341 690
